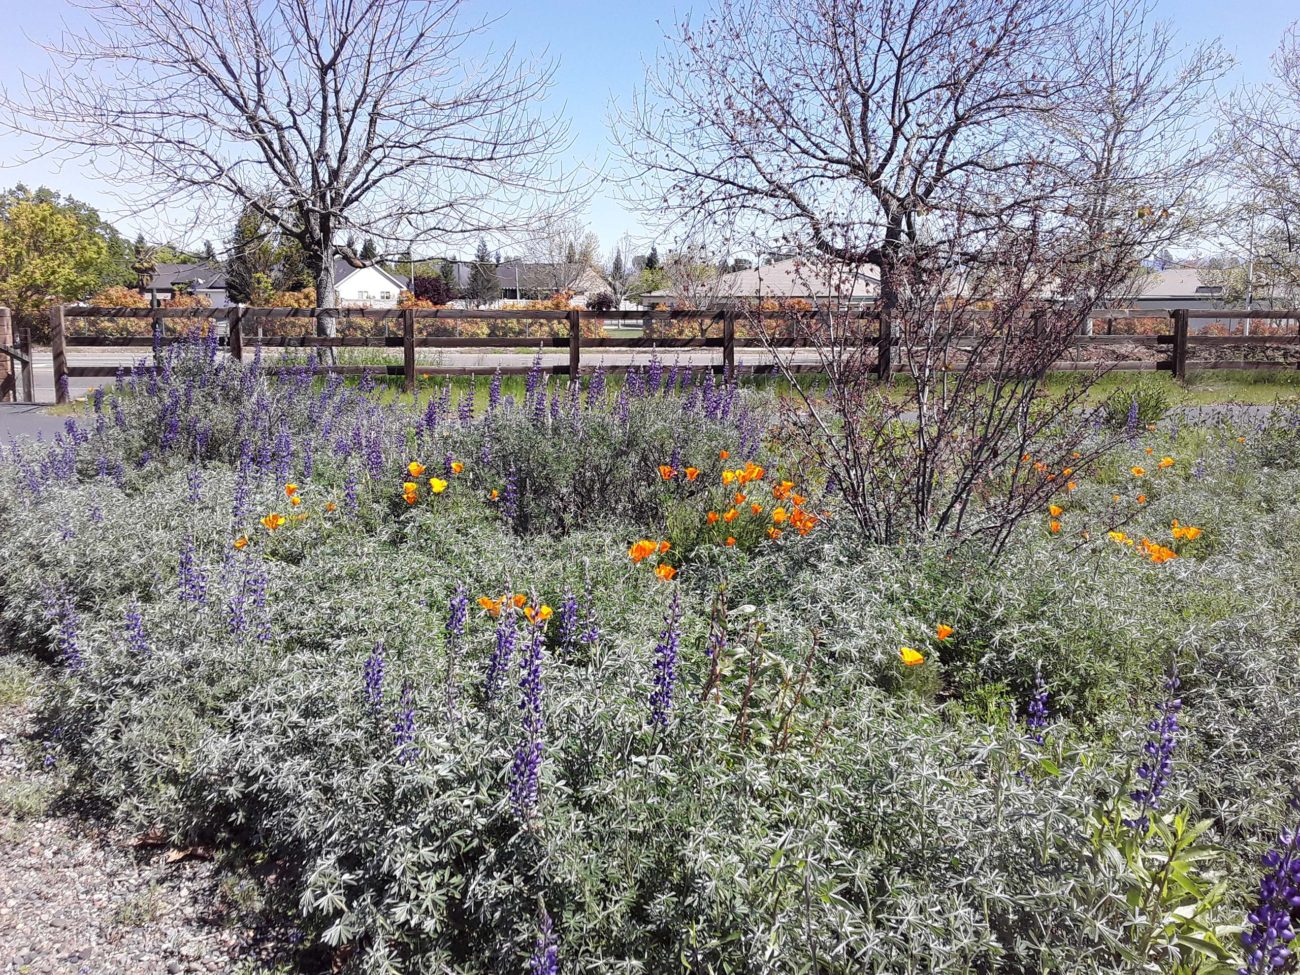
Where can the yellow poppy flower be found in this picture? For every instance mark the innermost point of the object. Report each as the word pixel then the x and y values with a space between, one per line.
pixel 437 485
pixel 538 615
pixel 241 542
pixel 910 657
pixel 1055 510
pixel 415 468
pixel 665 571
pixel 272 521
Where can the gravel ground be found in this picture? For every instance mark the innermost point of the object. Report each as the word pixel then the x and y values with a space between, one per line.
pixel 81 897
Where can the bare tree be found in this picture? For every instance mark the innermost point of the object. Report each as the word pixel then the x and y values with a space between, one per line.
pixel 1264 125
pixel 1136 172
pixel 618 272
pixel 372 118
pixel 845 115
pixel 558 253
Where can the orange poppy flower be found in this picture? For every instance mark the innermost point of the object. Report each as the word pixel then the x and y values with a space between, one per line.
pixel 779 515
pixel 272 521
pixel 773 533
pixel 910 657
pixel 711 517
pixel 665 571
pixel 1165 462
pixel 1071 485
pixel 1055 526
pixel 724 454
pixel 641 550
pixel 666 472
pixel 240 542
pixel 290 490
pixel 1137 471
pixel 491 606
pixel 295 501
pixel 1055 510
pixel 692 473
pixel 1151 450
pixel 1115 498
pixel 457 467
pixel 494 494
pixel 756 509
pixel 330 506
pixel 730 516
pixel 415 468
pixel 1142 499
pixel 797 499
pixel 728 477
pixel 738 498
pixel 518 599
pixel 1067 472
pixel 664 546
pixel 943 631
pixel 730 542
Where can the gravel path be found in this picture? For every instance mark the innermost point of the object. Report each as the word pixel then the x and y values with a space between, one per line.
pixel 80 897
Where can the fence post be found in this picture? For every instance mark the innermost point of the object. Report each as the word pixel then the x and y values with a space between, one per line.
pixel 408 349
pixel 235 326
pixel 157 328
pixel 729 343
pixel 8 389
pixel 25 347
pixel 59 353
pixel 1180 344
pixel 575 344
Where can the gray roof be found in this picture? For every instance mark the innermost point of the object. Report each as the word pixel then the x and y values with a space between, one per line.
pixel 791 278
pixel 1177 282
pixel 342 269
pixel 203 276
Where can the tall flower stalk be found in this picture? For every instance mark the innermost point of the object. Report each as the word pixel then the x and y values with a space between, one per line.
pixel 1157 765
pixel 1276 914
pixel 665 678
pixel 525 770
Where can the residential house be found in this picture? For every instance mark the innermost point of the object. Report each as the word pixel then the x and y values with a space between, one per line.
pixel 529 281
pixel 791 279
pixel 207 279
pixel 367 287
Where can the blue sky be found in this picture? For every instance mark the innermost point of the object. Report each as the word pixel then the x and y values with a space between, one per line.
pixel 601 47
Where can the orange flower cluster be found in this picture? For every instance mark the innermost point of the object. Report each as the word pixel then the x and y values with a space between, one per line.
pixel 645 548
pixel 1156 552
pixel 743 475
pixel 411 489
pixel 1184 533
pixel 536 614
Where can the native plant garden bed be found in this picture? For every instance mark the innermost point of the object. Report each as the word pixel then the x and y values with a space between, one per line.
pixel 600 679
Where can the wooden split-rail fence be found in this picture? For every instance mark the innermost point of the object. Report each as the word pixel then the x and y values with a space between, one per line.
pixel 249 328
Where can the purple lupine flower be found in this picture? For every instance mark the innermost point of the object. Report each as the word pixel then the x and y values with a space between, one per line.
pixel 570 623
pixel 510 498
pixel 1276 915
pixel 374 678
pixel 375 457
pixel 457 613
pixel 717 641
pixel 654 375
pixel 590 625
pixel 191 578
pixel 502 652
pixel 494 391
pixel 465 411
pixel 661 698
pixel 447 461
pixel 194 485
pixel 596 387
pixel 308 461
pixel 67 639
pixel 1157 766
pixel 404 727
pixel 485 454
pixel 1036 712
pixel 525 770
pixel 1131 422
pixel 119 417
pixel 534 378
pixel 97 399
pixel 545 959
pixel 136 640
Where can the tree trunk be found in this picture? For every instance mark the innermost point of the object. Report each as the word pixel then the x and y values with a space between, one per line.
pixel 327 324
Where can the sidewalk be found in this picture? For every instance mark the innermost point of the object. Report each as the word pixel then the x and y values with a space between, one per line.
pixel 23 421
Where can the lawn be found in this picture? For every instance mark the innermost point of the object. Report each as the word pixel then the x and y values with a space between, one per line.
pixel 605 671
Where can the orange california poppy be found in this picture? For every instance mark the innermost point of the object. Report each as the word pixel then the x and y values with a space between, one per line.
pixel 943 631
pixel 779 515
pixel 491 606
pixel 737 498
pixel 728 477
pixel 729 516
pixel 295 501
pixel 538 615
pixel 494 494
pixel 1055 510
pixel 773 533
pixel 241 542
pixel 330 506
pixel 730 542
pixel 1067 471
pixel 666 472
pixel 724 454
pixel 756 509
pixel 518 599
pixel 1055 526
pixel 1137 471
pixel 711 517
pixel 457 467
pixel 910 657
pixel 1151 450
pixel 1165 462
pixel 692 473
pixel 415 468
pixel 641 550
pixel 665 571
pixel 797 499
pixel 1115 498
pixel 1071 485
pixel 290 490
pixel 664 546
pixel 1142 499
pixel 272 521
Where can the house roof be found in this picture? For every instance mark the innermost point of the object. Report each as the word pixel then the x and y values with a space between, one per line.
pixel 532 276
pixel 1176 283
pixel 343 270
pixel 790 278
pixel 203 276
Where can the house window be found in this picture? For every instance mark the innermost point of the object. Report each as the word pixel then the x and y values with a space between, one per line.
pixel 385 296
pixel 363 295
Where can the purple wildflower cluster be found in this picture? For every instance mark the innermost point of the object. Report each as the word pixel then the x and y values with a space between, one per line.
pixel 1274 918
pixel 1036 713
pixel 578 626
pixel 545 959
pixel 1157 764
pixel 68 639
pixel 192 580
pixel 374 678
pixel 525 770
pixel 502 652
pixel 136 639
pixel 404 727
pixel 661 698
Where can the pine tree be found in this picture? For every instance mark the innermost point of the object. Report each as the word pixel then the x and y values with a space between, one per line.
pixel 652 259
pixel 483 283
pixel 449 279
pixel 571 254
pixel 209 252
pixel 368 250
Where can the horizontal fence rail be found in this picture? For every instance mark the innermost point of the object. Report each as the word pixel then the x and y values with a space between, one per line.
pixel 246 328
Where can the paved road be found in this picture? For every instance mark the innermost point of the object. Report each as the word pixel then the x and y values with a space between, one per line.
pixel 19 421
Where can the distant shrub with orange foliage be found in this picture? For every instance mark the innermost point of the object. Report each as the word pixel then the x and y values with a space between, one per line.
pixel 119 296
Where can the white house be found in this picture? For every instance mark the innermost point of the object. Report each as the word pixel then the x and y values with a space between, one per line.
pixel 367 287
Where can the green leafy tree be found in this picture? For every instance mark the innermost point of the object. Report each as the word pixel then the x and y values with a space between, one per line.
pixel 47 255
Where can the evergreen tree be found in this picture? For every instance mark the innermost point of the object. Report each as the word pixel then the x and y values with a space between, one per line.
pixel 571 254
pixel 368 250
pixel 652 259
pixel 449 279
pixel 483 283
pixel 209 252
